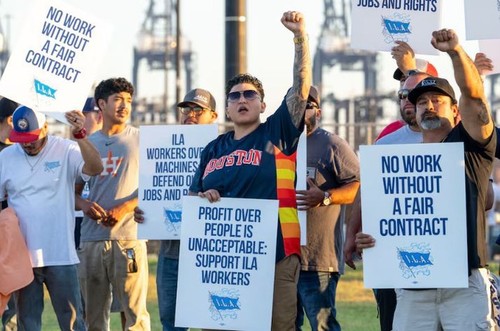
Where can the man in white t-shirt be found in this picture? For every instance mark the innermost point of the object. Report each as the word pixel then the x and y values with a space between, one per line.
pixel 37 175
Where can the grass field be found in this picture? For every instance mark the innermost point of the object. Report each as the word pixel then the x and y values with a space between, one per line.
pixel 356 308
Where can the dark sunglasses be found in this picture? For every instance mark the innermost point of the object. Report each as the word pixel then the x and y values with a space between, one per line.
pixel 403 93
pixel 311 105
pixel 247 94
pixel 196 109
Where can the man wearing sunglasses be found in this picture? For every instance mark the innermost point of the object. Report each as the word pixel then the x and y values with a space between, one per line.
pixel 408 134
pixel 407 65
pixel 438 117
pixel 258 161
pixel 333 180
pixel 409 73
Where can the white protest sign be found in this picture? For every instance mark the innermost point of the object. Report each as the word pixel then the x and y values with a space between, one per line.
pixel 482 19
pixel 54 61
pixel 226 264
pixel 491 47
pixel 302 174
pixel 377 24
pixel 169 157
pixel 413 204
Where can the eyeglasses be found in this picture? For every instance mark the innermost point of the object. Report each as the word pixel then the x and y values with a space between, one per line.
pixel 311 105
pixel 247 94
pixel 196 109
pixel 403 93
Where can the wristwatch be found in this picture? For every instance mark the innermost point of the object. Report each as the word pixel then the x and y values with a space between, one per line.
pixel 326 199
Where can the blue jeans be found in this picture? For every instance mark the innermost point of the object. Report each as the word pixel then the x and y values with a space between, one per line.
pixel 166 286
pixel 316 296
pixel 64 290
pixel 9 316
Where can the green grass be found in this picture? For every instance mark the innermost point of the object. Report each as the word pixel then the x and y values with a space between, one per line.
pixel 356 308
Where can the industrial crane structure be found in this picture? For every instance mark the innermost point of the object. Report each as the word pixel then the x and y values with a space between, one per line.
pixel 333 50
pixel 357 118
pixel 161 47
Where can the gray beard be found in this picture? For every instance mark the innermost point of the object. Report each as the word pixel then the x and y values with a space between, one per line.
pixel 430 123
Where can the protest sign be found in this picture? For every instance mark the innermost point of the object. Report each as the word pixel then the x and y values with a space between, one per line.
pixel 54 61
pixel 303 172
pixel 377 24
pixel 169 157
pixel 482 19
pixel 226 264
pixel 413 204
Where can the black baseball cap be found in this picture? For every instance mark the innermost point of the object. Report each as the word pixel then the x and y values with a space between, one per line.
pixel 90 105
pixel 199 97
pixel 314 94
pixel 432 84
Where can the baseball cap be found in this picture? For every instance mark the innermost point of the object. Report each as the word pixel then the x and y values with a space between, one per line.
pixel 314 94
pixel 422 65
pixel 432 84
pixel 28 125
pixel 199 97
pixel 7 108
pixel 90 105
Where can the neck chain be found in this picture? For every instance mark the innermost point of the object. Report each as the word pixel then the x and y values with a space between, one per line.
pixel 40 155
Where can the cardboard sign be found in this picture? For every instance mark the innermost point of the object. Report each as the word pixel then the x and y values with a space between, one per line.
pixel 55 59
pixel 377 24
pixel 226 264
pixel 413 204
pixel 302 174
pixel 169 157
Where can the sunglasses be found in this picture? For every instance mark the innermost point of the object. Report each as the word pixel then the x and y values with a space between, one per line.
pixel 403 93
pixel 247 94
pixel 196 109
pixel 311 105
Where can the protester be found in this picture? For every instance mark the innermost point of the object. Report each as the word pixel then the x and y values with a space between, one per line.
pixel 274 143
pixel 198 107
pixel 333 180
pixel 406 64
pixel 415 70
pixel 93 123
pixel 438 117
pixel 109 251
pixel 37 176
pixel 7 108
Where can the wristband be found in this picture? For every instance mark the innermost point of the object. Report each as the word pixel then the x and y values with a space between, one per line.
pixel 82 133
pixel 300 40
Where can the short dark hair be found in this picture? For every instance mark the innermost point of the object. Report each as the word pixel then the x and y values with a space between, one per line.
pixel 7 108
pixel 245 78
pixel 111 86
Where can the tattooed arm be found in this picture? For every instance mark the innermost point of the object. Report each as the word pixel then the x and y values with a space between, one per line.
pixel 473 105
pixel 302 73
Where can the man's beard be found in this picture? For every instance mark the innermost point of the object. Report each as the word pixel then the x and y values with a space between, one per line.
pixel 430 122
pixel 311 124
pixel 411 120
